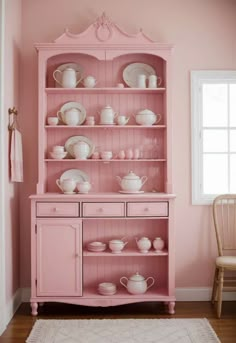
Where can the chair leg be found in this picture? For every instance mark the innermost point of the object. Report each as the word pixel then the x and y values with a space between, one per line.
pixel 220 288
pixel 215 286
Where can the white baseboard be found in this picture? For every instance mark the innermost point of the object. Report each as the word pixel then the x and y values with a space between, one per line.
pixel 10 309
pixel 182 294
pixel 25 295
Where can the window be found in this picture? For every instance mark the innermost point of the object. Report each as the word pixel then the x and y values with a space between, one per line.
pixel 213 106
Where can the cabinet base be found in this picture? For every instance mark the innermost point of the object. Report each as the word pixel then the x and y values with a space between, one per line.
pixel 103 302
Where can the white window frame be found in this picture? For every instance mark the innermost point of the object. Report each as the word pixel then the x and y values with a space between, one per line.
pixel 198 78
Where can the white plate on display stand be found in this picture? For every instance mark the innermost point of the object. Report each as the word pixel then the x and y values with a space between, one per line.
pixel 75 174
pixel 131 72
pixel 131 192
pixel 75 139
pixel 74 104
pixel 77 67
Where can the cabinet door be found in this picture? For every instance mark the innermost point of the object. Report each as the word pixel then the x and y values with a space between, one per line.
pixel 59 257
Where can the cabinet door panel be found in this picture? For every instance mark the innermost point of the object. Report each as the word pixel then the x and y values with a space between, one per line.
pixel 59 257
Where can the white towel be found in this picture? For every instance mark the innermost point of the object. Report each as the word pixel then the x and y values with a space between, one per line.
pixel 16 156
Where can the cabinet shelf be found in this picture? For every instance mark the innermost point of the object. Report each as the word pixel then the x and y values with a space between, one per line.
pixel 105 127
pixel 122 293
pixel 124 253
pixel 108 90
pixel 105 161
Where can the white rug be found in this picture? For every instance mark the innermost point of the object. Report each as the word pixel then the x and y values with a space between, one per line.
pixel 123 331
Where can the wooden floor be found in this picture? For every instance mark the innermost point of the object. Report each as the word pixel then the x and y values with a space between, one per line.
pixel 21 324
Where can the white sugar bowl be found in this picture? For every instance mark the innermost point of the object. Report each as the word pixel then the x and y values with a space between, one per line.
pixel 158 244
pixel 83 187
pixel 131 182
pixel 117 245
pixel 136 284
pixel 144 244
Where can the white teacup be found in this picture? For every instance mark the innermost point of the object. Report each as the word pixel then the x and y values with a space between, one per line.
pixel 52 120
pixel 66 185
pixel 106 155
pixel 69 117
pixel 122 120
pixel 58 149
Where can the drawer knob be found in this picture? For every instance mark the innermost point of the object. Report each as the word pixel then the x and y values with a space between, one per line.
pixel 100 210
pixel 76 255
pixel 55 209
pixel 146 209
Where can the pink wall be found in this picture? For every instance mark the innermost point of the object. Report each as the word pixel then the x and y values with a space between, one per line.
pixel 12 98
pixel 203 32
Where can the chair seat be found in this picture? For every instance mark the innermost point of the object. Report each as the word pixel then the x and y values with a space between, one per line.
pixel 226 262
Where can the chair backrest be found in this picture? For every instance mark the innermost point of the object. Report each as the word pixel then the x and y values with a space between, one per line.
pixel 224 215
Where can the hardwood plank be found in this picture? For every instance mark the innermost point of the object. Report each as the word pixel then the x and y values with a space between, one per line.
pixel 20 326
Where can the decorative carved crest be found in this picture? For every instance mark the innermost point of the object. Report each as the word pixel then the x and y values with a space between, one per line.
pixel 103 26
pixel 102 30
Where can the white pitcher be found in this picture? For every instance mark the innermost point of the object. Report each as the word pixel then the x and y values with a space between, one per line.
pixel 81 150
pixel 68 77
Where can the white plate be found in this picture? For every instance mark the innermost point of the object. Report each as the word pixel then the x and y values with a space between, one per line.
pixel 75 174
pixel 77 67
pixel 131 192
pixel 73 104
pixel 131 72
pixel 75 139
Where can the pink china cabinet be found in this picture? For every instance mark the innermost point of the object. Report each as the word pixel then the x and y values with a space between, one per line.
pixel 104 171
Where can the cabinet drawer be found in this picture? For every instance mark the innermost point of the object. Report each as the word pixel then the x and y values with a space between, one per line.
pixel 103 209
pixel 147 209
pixel 57 209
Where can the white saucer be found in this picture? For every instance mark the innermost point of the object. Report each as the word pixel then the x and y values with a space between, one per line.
pixel 69 193
pixel 131 192
pixel 107 123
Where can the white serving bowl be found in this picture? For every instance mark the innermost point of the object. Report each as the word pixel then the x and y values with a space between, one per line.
pixel 96 246
pixel 52 120
pixel 116 246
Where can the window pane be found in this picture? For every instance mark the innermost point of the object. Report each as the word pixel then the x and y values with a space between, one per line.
pixel 232 140
pixel 232 105
pixel 233 173
pixel 215 105
pixel 215 141
pixel 215 173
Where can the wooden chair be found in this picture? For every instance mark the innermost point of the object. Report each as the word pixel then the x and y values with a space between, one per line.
pixel 224 215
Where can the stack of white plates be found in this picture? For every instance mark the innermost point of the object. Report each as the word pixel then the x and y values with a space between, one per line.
pixel 96 246
pixel 106 288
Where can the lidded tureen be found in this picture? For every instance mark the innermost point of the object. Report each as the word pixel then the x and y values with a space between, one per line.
pixel 131 182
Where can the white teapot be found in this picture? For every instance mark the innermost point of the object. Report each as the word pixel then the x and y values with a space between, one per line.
pixel 107 115
pixel 70 117
pixel 144 244
pixel 147 118
pixel 137 284
pixel 131 182
pixel 68 77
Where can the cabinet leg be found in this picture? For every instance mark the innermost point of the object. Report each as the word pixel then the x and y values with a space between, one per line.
pixel 34 307
pixel 171 307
